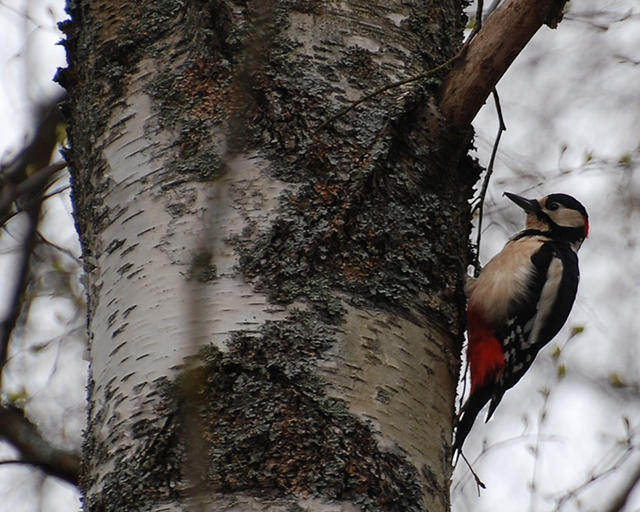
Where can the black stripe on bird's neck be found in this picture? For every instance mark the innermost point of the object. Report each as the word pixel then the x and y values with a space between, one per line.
pixel 531 232
pixel 555 232
pixel 565 233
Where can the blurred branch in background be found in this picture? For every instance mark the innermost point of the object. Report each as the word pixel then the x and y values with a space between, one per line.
pixel 23 185
pixel 16 428
pixel 23 182
pixel 626 448
pixel 619 501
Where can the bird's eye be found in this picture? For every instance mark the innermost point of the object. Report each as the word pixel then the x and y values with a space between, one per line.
pixel 553 206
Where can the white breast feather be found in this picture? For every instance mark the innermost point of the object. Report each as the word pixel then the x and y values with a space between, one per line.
pixel 547 298
pixel 504 279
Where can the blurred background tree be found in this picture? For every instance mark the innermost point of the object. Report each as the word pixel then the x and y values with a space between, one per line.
pixel 42 334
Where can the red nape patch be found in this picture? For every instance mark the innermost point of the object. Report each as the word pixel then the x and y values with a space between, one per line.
pixel 586 227
pixel 484 352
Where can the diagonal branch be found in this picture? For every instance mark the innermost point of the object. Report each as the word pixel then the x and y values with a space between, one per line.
pixel 504 34
pixel 16 300
pixel 23 435
pixel 22 185
pixel 29 187
pixel 620 500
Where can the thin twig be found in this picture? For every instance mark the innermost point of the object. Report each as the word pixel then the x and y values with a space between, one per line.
pixel 59 248
pixel 479 483
pixel 55 192
pixel 476 28
pixel 616 464
pixel 7 217
pixel 477 24
pixel 485 184
pixel 546 393
pixel 619 502
pixel 9 323
pixel 384 88
pixel 35 182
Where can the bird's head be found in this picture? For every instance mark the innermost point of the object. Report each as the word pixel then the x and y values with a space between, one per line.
pixel 563 216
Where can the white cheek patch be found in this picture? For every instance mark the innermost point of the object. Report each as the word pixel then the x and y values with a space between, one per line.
pixel 566 217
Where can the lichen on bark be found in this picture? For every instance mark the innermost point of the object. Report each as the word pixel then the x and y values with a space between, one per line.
pixel 271 428
pixel 374 218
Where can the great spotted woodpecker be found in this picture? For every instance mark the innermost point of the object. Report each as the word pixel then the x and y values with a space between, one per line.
pixel 520 300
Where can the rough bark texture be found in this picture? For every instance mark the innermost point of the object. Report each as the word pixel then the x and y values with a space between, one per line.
pixel 317 274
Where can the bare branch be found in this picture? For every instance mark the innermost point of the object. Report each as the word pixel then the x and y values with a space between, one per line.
pixel 504 34
pixel 8 324
pixel 23 182
pixel 620 460
pixel 485 184
pixel 619 501
pixel 23 435
pixel 34 182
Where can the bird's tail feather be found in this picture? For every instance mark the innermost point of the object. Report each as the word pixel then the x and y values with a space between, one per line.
pixel 468 414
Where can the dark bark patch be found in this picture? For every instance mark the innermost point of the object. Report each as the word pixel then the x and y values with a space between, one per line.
pixel 271 429
pixel 141 478
pixel 202 268
pixel 374 235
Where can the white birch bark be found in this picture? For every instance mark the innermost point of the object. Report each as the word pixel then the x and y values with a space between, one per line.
pixel 149 315
pixel 141 325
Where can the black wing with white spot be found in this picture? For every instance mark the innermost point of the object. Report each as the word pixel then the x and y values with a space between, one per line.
pixel 538 316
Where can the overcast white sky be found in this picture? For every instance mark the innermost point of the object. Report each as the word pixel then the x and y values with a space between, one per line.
pixel 573 92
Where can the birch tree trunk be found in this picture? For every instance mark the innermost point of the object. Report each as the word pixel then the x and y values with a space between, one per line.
pixel 275 306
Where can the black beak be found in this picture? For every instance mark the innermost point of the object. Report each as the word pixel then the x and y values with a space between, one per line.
pixel 528 205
